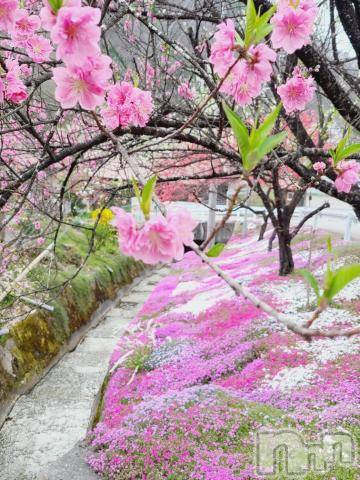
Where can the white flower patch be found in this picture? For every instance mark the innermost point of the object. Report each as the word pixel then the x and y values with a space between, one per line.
pixel 293 293
pixel 335 316
pixel 325 350
pixel 185 287
pixel 291 378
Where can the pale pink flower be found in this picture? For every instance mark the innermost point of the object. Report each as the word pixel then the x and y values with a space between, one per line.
pixel 25 26
pixel 297 92
pixel 185 91
pixel 173 67
pixel 37 226
pixel 348 175
pixel 259 66
pixel 127 231
pixel 8 11
pixel 127 105
pixel 291 28
pixel 240 86
pixel 38 48
pixel 319 167
pixel 182 223
pixel 158 242
pixel 26 70
pixel 2 90
pixel 76 31
pixel 15 90
pixel 85 84
pixel 222 56
pixel 40 240
pixel 47 15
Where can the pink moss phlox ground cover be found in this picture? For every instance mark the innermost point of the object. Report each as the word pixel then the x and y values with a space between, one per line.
pixel 215 369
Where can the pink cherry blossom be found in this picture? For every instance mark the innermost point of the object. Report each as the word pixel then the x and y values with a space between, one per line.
pixel 2 90
pixel 259 66
pixel 297 92
pixel 25 26
pixel 76 30
pixel 158 242
pixel 348 175
pixel 183 223
pixel 15 90
pixel 8 12
pixel 185 91
pixel 85 84
pixel 222 56
pixel 38 48
pixel 291 28
pixel 127 105
pixel 241 86
pixel 47 15
pixel 127 231
pixel 319 167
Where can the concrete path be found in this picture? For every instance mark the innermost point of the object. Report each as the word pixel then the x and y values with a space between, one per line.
pixel 46 423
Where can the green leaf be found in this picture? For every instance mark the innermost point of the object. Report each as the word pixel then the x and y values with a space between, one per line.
pixel 341 146
pixel 269 122
pixel 251 18
pixel 239 128
pixel 215 250
pixel 55 5
pixel 270 143
pixel 329 244
pixel 342 277
pixel 348 151
pixel 309 277
pixel 147 194
pixel 262 32
pixel 252 160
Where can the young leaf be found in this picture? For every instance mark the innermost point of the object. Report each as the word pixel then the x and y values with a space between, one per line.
pixel 348 151
pixel 309 277
pixel 251 18
pixel 340 278
pixel 270 143
pixel 147 194
pixel 239 128
pixel 269 122
pixel 55 5
pixel 215 250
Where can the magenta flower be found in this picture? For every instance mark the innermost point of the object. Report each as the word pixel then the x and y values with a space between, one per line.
pixel 296 92
pixel 222 56
pixel 348 175
pixel 38 48
pixel 84 84
pixel 127 105
pixel 319 167
pixel 8 11
pixel 76 30
pixel 47 15
pixel 292 28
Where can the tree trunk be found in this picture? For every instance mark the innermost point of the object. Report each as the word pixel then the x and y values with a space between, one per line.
pixel 285 254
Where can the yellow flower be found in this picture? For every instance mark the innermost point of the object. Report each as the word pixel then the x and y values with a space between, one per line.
pixel 105 217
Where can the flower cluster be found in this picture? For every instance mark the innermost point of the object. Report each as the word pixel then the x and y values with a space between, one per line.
pixel 297 92
pixel 293 24
pixel 244 76
pixel 160 239
pixel 127 105
pixel 75 31
pixel 184 91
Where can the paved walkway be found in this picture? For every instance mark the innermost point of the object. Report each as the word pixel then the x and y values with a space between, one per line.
pixel 54 416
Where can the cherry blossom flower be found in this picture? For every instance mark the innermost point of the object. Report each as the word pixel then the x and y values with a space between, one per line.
pixel 75 31
pixel 319 167
pixel 25 26
pixel 183 223
pixel 47 15
pixel 128 234
pixel 241 86
pixel 38 48
pixel 348 175
pixel 85 84
pixel 2 90
pixel 8 12
pixel 297 92
pixel 127 105
pixel 259 66
pixel 292 28
pixel 222 56
pixel 185 91
pixel 15 90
